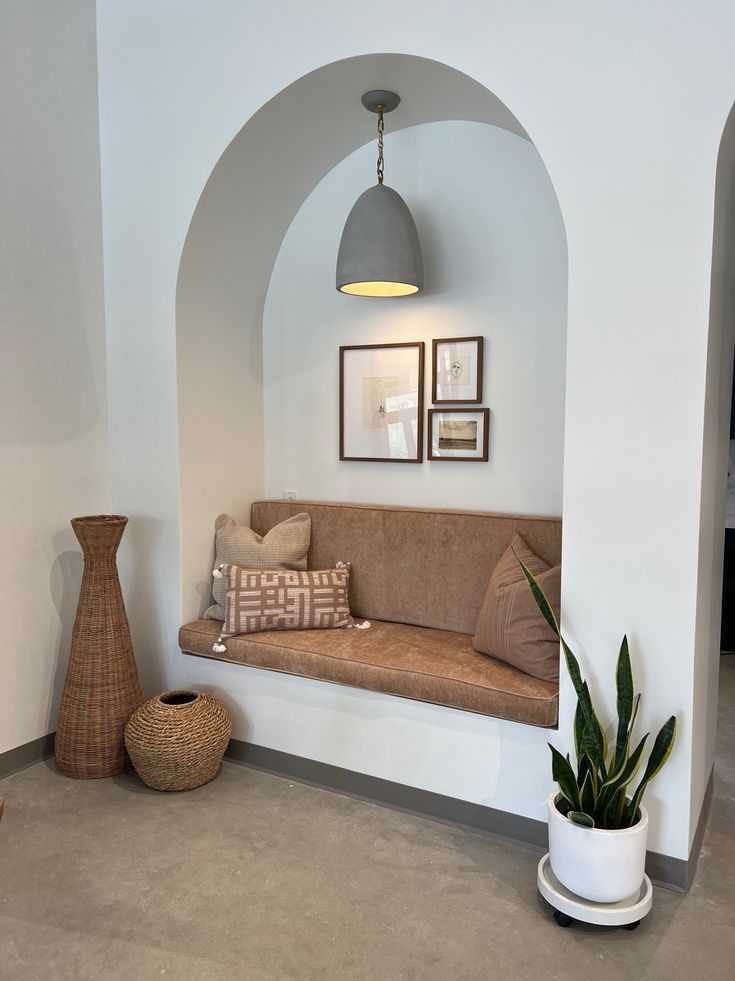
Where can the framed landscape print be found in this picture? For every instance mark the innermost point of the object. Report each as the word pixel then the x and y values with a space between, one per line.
pixel 459 434
pixel 381 402
pixel 456 370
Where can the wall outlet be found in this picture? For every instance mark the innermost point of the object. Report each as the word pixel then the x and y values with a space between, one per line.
pixel 290 495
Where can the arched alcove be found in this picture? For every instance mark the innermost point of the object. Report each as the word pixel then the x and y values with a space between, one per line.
pixel 258 186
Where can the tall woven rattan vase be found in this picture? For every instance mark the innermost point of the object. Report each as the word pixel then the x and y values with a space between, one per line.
pixel 102 689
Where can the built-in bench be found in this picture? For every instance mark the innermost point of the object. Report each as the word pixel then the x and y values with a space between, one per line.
pixel 419 576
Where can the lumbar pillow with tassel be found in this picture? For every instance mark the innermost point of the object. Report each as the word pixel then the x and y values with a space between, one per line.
pixel 280 599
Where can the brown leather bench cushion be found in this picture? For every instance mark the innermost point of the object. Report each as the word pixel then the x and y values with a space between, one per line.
pixel 421 663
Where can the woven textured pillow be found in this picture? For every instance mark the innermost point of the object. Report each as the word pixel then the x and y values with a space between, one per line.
pixel 280 599
pixel 510 626
pixel 283 547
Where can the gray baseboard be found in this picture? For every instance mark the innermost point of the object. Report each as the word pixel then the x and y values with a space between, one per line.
pixel 376 790
pixel 26 755
pixel 664 870
pixel 699 833
pixel 677 873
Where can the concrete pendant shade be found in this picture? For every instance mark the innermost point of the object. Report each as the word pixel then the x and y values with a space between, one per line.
pixel 380 253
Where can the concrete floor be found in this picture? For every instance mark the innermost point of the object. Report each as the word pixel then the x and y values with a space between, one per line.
pixel 256 878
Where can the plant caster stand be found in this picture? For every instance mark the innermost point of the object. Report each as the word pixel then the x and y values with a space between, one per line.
pixel 561 919
pixel 569 907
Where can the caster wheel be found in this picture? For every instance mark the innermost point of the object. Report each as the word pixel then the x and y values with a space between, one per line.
pixel 562 920
pixel 632 926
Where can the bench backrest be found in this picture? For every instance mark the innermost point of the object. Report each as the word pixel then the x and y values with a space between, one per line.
pixel 424 566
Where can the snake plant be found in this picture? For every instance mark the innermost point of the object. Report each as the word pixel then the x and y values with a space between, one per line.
pixel 596 794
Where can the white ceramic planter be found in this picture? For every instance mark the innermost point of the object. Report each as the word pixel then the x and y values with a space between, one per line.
pixel 603 866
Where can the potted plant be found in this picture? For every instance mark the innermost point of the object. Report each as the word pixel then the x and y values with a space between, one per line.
pixel 597 830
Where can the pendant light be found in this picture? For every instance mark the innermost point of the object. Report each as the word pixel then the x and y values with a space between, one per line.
pixel 380 253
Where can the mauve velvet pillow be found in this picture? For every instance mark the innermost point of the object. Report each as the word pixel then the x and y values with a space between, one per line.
pixel 510 626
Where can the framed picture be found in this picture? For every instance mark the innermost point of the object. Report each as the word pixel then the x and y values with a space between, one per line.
pixel 381 402
pixel 459 434
pixel 457 370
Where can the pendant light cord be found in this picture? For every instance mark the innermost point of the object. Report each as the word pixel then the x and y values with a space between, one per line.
pixel 380 144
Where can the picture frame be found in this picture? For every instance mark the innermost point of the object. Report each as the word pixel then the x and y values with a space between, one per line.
pixel 459 434
pixel 456 370
pixel 381 402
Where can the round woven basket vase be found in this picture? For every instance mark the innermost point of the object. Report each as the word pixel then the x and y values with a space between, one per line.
pixel 178 739
pixel 102 689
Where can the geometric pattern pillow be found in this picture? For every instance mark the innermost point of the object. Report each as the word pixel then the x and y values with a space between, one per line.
pixel 283 547
pixel 280 599
pixel 510 626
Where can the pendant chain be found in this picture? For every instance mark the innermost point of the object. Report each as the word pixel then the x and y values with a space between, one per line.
pixel 380 144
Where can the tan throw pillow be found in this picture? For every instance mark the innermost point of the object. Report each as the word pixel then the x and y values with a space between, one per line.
pixel 510 626
pixel 283 600
pixel 283 547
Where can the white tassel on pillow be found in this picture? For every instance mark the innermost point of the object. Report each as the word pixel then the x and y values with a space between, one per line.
pixel 365 625
pixel 218 647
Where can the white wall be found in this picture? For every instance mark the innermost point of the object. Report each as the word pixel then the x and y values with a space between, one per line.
pixel 472 757
pixel 629 136
pixel 495 257
pixel 715 452
pixel 52 366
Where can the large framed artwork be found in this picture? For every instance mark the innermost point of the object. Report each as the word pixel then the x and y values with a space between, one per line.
pixel 381 402
pixel 459 434
pixel 456 370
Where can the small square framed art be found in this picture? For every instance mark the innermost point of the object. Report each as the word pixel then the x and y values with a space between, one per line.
pixel 459 434
pixel 456 370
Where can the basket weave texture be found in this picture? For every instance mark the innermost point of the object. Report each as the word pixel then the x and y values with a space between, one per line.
pixel 177 740
pixel 102 688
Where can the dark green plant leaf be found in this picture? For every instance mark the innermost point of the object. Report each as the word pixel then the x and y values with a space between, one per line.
pixel 636 703
pixel 563 774
pixel 598 742
pixel 607 819
pixel 582 767
pixel 618 782
pixel 595 777
pixel 659 755
pixel 587 793
pixel 630 816
pixel 579 817
pixel 624 679
pixel 541 601
pixel 586 766
pixel 615 811
pixel 583 739
pixel 563 806
pixel 579 731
